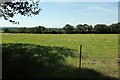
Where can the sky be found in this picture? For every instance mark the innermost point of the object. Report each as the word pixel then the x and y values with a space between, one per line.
pixel 57 14
pixel 79 0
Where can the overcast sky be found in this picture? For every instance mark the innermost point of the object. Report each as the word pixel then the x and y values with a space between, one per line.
pixel 57 14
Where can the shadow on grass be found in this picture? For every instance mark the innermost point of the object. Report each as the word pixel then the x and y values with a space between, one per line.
pixel 27 61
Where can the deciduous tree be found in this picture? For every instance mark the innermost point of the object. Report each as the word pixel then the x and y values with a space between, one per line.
pixel 26 8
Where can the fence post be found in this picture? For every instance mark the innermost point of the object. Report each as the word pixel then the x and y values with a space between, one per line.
pixel 80 56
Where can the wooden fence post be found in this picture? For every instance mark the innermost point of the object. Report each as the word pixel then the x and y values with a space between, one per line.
pixel 80 56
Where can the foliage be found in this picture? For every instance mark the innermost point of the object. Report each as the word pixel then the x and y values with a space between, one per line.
pixel 6 30
pixel 101 28
pixel 26 8
pixel 69 29
pixel 115 28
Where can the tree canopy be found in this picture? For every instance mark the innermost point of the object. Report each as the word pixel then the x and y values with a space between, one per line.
pixel 26 8
pixel 69 29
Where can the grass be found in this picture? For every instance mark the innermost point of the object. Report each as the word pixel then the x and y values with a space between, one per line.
pixel 100 51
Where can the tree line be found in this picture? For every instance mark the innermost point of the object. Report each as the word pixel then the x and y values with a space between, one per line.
pixel 69 29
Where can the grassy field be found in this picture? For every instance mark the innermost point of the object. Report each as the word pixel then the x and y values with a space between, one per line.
pixel 99 51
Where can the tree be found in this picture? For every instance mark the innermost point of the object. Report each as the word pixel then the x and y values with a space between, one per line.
pixel 6 30
pixel 68 29
pixel 40 29
pixel 115 28
pixel 87 28
pixel 101 28
pixel 118 26
pixel 90 29
pixel 27 8
pixel 22 30
pixel 80 28
pixel 60 31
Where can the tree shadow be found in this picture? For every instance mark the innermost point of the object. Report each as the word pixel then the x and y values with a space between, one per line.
pixel 28 61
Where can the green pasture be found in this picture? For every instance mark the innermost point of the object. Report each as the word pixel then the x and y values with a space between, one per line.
pixel 99 51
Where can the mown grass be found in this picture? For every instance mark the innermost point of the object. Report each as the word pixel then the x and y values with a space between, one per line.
pixel 100 51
